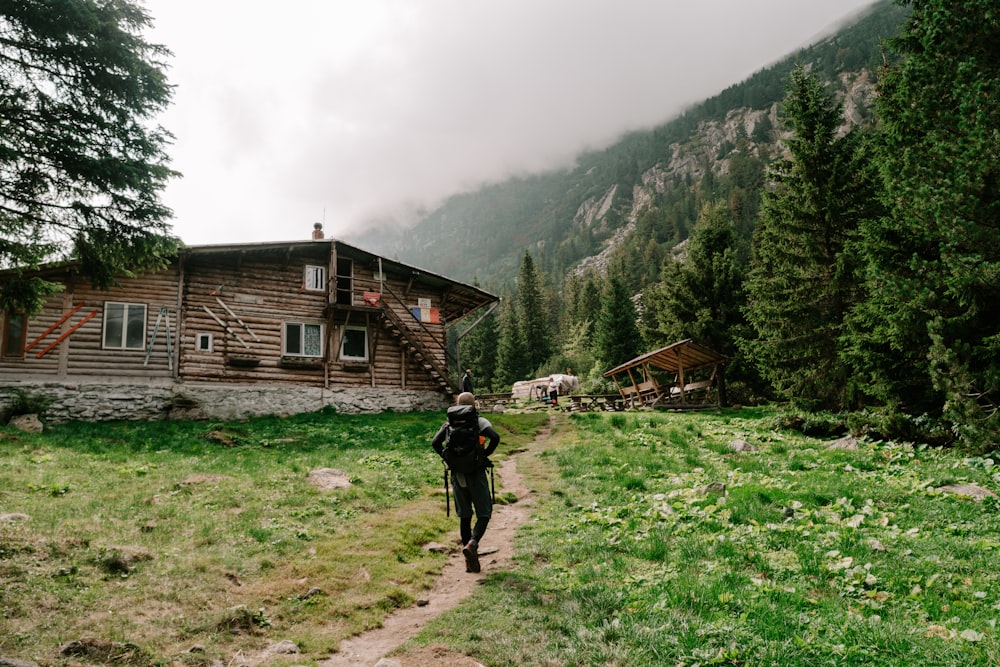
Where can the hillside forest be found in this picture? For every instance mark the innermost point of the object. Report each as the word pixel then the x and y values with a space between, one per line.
pixel 831 225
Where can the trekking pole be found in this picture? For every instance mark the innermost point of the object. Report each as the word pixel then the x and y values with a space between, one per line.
pixel 493 488
pixel 447 502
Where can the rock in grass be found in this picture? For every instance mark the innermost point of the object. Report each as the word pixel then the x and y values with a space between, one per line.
pixel 14 662
pixel 26 423
pixel 329 478
pixel 973 491
pixel 284 647
pixel 848 442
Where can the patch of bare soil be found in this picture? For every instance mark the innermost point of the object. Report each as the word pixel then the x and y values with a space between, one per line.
pixel 453 585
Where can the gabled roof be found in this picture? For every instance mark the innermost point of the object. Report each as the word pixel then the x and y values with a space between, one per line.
pixel 682 354
pixel 459 299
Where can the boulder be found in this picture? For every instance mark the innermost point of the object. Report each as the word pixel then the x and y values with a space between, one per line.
pixel 26 423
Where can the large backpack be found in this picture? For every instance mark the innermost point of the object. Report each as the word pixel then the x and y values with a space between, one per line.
pixel 461 447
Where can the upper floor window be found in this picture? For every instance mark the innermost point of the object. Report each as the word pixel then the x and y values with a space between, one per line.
pixel 303 340
pixel 354 343
pixel 124 326
pixel 315 280
pixel 15 330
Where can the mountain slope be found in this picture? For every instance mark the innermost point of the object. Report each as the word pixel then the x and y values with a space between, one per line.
pixel 645 189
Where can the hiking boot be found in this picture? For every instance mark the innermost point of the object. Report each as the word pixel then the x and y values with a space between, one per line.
pixel 471 553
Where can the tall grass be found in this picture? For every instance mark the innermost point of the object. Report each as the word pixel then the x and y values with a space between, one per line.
pixel 806 556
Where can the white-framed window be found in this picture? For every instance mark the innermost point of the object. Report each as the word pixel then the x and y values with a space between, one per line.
pixel 315 279
pixel 203 342
pixel 303 339
pixel 353 343
pixel 124 326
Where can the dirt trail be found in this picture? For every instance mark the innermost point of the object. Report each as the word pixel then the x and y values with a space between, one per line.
pixel 453 585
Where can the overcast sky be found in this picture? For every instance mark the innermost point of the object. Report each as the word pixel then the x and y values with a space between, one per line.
pixel 349 111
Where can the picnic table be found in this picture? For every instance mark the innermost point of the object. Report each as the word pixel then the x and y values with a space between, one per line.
pixel 594 402
pixel 486 402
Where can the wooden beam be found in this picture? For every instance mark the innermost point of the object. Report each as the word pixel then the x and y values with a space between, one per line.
pixel 66 335
pixel 53 327
pixel 226 327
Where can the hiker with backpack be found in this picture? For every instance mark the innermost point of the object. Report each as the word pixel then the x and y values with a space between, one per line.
pixel 464 442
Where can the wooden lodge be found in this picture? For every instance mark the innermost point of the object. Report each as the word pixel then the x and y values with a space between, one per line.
pixel 682 375
pixel 317 313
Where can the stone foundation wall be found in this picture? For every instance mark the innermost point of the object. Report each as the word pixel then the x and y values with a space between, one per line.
pixel 151 402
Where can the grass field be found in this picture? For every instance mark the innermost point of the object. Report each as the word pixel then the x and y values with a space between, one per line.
pixel 652 543
pixel 660 545
pixel 156 538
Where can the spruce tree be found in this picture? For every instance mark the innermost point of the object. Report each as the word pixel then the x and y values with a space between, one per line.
pixel 803 280
pixel 479 352
pixel 616 333
pixel 81 162
pixel 701 296
pixel 928 338
pixel 533 315
pixel 512 349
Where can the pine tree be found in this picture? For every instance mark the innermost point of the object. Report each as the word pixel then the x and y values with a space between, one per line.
pixel 533 315
pixel 803 280
pixel 701 296
pixel 479 352
pixel 81 164
pixel 929 338
pixel 513 363
pixel 616 333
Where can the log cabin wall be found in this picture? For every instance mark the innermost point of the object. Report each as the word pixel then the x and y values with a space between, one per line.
pixel 236 309
pixel 71 339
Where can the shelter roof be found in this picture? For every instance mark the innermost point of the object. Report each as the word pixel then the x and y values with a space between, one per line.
pixel 682 354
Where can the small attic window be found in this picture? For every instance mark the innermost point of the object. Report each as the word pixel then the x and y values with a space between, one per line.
pixel 315 278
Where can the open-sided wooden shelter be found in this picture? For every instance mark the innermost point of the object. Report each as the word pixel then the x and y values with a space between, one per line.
pixel 679 375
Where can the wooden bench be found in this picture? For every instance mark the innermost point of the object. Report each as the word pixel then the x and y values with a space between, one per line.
pixel 594 402
pixel 486 402
pixel 692 391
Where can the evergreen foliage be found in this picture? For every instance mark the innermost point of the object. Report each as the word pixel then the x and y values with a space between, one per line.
pixel 513 363
pixel 616 333
pixel 533 314
pixel 701 295
pixel 81 166
pixel 479 352
pixel 803 280
pixel 928 337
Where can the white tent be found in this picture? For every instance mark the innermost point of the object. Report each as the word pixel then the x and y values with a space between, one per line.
pixel 539 387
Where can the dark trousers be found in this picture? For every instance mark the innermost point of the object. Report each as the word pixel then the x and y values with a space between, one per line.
pixel 472 493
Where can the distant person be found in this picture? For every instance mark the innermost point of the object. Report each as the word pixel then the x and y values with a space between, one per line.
pixel 463 431
pixel 553 391
pixel 467 381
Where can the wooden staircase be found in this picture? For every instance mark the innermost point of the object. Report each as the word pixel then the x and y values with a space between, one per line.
pixel 415 347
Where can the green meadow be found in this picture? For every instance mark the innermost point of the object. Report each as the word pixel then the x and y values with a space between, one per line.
pixel 652 542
